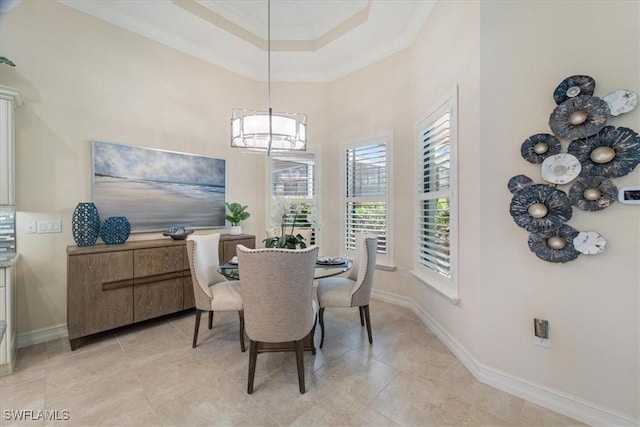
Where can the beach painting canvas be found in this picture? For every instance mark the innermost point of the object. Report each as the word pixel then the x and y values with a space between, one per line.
pixel 156 189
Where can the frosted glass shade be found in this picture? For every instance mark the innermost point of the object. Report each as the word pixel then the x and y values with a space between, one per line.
pixel 250 130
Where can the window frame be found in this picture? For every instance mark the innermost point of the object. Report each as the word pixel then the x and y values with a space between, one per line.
pixel 383 261
pixel 448 287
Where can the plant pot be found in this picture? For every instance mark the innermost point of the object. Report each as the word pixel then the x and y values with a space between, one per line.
pixel 235 230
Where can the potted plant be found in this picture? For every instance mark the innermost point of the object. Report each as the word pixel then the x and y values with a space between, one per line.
pixel 290 214
pixel 236 213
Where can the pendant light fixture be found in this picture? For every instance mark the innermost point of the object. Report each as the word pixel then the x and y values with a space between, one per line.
pixel 259 131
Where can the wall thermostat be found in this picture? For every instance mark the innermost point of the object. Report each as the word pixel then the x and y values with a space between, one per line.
pixel 629 195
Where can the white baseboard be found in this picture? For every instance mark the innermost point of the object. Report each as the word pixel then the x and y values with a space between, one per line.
pixel 555 400
pixel 42 335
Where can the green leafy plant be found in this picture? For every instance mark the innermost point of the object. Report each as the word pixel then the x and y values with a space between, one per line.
pixel 237 213
pixel 287 241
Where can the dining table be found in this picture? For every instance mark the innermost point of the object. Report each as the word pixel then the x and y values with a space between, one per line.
pixel 326 266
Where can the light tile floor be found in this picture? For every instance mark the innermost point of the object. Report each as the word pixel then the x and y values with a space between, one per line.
pixel 148 374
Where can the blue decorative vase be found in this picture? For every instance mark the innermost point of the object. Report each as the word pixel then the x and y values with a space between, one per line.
pixel 115 230
pixel 85 224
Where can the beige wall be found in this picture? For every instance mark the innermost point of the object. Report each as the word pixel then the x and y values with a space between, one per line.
pixel 592 303
pixel 83 79
pixel 364 105
pixel 445 54
pixel 507 57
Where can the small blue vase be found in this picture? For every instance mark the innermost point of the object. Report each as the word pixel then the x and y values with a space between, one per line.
pixel 115 230
pixel 85 224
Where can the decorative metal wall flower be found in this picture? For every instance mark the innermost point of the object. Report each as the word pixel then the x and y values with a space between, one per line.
pixel 538 147
pixel 555 245
pixel 572 87
pixel 540 207
pixel 589 242
pixel 560 168
pixel 596 152
pixel 621 101
pixel 579 117
pixel 518 182
pixel 612 153
pixel 593 193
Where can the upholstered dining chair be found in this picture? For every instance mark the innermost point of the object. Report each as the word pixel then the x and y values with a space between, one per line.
pixel 211 289
pixel 277 293
pixel 355 289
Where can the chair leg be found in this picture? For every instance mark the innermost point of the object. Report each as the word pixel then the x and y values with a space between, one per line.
pixel 241 315
pixel 313 336
pixel 361 316
pixel 253 357
pixel 195 331
pixel 210 319
pixel 368 319
pixel 321 312
pixel 300 364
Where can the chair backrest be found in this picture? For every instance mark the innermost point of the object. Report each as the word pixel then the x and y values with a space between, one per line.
pixel 202 252
pixel 364 265
pixel 306 233
pixel 276 287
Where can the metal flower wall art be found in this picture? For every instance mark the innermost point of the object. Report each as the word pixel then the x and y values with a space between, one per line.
pixel 596 153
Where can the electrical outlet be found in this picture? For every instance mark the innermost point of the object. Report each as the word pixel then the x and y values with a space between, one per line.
pixel 541 332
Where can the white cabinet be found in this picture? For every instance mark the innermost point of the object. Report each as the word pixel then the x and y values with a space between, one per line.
pixel 10 99
pixel 8 345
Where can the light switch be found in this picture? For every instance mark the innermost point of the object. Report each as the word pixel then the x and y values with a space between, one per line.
pixel 30 227
pixel 50 226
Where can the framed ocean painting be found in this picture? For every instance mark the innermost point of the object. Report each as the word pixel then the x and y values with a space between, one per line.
pixel 156 189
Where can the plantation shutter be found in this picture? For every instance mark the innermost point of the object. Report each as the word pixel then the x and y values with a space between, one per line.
pixel 434 193
pixel 366 193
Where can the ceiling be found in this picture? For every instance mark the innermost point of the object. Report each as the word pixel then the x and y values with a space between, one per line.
pixel 311 40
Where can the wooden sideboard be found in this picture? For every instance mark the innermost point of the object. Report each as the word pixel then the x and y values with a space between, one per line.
pixel 109 286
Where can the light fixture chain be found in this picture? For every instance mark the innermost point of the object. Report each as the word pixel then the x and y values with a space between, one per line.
pixel 269 48
pixel 269 76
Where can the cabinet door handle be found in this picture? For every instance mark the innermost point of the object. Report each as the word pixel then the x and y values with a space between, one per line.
pixel 158 277
pixel 117 284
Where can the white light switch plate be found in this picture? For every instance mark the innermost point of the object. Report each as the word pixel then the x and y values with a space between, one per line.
pixel 50 226
pixel 30 227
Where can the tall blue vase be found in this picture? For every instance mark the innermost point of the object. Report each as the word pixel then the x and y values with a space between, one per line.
pixel 85 224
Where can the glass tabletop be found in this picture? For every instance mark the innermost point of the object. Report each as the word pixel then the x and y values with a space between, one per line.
pixel 231 271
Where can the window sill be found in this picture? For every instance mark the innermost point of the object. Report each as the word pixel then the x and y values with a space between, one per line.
pixel 386 267
pixel 443 290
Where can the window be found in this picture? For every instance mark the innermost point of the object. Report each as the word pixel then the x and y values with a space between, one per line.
pixel 292 183
pixel 436 257
pixel 367 184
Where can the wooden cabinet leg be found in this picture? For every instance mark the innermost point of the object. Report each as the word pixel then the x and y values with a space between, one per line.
pixel 75 343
